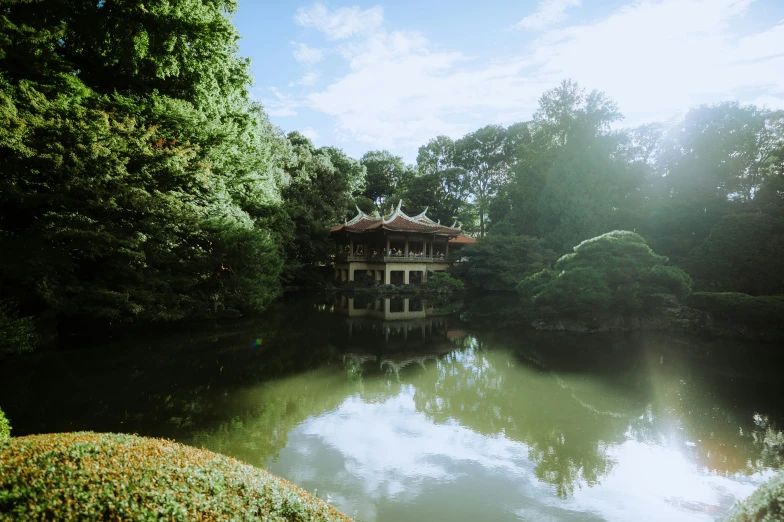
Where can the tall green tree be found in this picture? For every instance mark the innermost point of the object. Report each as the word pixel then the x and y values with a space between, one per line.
pixel 485 155
pixel 133 160
pixel 499 262
pixel 587 186
pixel 319 195
pixel 387 175
pixel 743 253
pixel 710 164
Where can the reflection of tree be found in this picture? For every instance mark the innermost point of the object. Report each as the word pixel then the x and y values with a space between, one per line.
pixel 166 384
pixel 694 400
pixel 566 429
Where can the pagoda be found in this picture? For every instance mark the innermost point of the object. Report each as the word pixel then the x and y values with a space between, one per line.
pixel 395 248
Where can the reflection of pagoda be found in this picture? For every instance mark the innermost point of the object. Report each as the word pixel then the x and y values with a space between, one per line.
pixel 388 308
pixel 396 248
pixel 395 333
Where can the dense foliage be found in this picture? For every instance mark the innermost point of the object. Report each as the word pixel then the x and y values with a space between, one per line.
pixel 318 196
pixel 499 262
pixel 443 283
pixel 735 307
pixel 90 476
pixel 743 253
pixel 616 271
pixel 135 166
pixel 17 334
pixel 707 191
pixel 764 505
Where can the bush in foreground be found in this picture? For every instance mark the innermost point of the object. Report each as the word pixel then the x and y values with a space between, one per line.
pixel 764 505
pixel 5 426
pixel 90 476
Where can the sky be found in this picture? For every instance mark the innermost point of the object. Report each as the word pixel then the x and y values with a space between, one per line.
pixel 368 75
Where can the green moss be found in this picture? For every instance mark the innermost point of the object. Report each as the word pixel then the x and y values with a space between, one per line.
pixel 764 505
pixel 89 476
pixel 5 426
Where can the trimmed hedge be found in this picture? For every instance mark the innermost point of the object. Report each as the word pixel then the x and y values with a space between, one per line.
pixel 91 476
pixel 764 505
pixel 766 310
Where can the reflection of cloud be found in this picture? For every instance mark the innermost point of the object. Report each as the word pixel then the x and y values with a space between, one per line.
pixel 392 439
pixel 655 483
pixel 389 451
pixel 387 460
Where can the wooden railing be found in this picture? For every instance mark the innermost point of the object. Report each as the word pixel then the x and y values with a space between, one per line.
pixel 369 258
pixel 413 259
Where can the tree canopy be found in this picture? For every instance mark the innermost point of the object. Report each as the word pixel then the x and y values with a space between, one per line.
pixel 134 162
pixel 615 271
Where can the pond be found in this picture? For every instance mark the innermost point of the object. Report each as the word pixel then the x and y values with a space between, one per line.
pixel 403 409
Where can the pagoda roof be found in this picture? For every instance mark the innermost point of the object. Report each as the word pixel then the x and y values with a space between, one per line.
pixel 397 221
pixel 462 240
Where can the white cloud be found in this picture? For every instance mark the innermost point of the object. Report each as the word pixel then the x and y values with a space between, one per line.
pixel 341 23
pixel 307 55
pixel 280 105
pixel 662 57
pixel 307 80
pixel 281 111
pixel 310 133
pixel 655 58
pixel 548 12
pixel 399 91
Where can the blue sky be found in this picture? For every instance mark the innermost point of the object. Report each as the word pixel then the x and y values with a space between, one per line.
pixel 365 75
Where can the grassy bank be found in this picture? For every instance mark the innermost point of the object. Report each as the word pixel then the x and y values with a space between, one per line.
pixel 90 476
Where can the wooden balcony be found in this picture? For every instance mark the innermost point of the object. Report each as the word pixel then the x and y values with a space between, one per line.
pixel 356 258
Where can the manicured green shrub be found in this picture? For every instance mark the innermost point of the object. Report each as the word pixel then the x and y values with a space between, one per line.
pixel 5 426
pixel 764 505
pixel 17 334
pixel 531 286
pixel 90 476
pixel 615 272
pixel 443 283
pixel 576 290
pixel 741 308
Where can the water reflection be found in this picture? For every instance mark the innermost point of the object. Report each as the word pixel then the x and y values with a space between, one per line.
pixel 489 429
pixel 403 411
pixel 390 308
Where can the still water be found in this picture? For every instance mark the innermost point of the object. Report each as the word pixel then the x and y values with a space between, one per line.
pixel 408 410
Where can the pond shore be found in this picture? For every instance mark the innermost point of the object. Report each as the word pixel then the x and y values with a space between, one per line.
pixel 680 319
